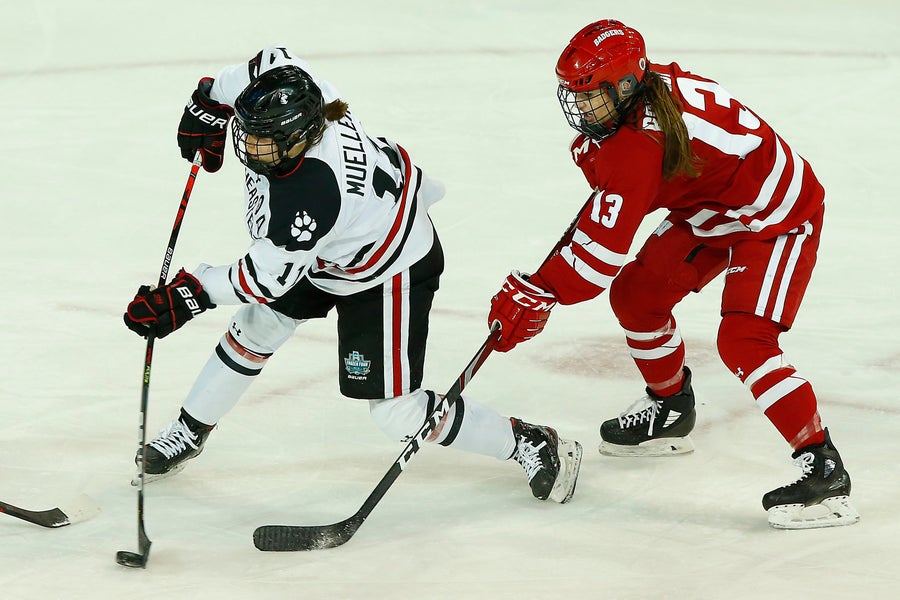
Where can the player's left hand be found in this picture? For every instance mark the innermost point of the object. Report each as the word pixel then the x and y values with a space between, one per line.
pixel 521 308
pixel 203 127
pixel 161 311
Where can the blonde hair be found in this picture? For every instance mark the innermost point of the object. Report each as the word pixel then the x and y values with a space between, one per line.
pixel 678 157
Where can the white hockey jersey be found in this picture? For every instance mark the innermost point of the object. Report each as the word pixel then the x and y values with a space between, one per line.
pixel 350 216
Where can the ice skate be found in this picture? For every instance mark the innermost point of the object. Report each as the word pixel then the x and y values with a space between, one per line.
pixel 551 463
pixel 820 498
pixel 179 442
pixel 653 425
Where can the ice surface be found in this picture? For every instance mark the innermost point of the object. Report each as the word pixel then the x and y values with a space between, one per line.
pixel 90 95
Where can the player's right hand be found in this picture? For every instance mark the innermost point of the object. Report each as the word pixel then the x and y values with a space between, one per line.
pixel 161 311
pixel 521 308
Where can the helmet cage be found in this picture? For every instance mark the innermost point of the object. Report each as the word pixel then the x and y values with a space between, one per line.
pixel 267 155
pixel 601 111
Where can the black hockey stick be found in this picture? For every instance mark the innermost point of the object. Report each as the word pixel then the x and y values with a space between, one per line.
pixel 124 557
pixel 80 509
pixel 288 538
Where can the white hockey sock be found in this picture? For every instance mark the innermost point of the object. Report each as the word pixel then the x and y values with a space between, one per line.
pixel 469 426
pixel 482 430
pixel 222 381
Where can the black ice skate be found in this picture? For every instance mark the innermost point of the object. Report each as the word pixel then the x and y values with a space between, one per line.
pixel 820 498
pixel 179 442
pixel 653 425
pixel 551 463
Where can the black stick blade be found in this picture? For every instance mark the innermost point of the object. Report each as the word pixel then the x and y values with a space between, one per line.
pixel 75 510
pixel 136 560
pixel 131 559
pixel 53 517
pixel 291 538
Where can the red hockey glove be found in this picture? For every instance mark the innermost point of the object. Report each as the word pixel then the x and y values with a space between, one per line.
pixel 521 308
pixel 203 127
pixel 162 310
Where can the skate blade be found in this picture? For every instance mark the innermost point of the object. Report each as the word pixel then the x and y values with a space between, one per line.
pixel 657 447
pixel 149 477
pixel 831 512
pixel 570 462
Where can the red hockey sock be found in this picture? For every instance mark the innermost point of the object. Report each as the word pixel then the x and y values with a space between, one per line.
pixel 749 347
pixel 659 355
pixel 789 402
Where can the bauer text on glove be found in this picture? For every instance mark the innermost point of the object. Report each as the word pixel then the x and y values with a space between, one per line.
pixel 203 127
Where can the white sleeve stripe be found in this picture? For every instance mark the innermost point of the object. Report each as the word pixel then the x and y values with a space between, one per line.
pixel 584 270
pixel 601 253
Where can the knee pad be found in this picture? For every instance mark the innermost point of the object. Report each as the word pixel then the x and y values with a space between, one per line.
pixel 260 329
pixel 746 343
pixel 638 298
pixel 401 416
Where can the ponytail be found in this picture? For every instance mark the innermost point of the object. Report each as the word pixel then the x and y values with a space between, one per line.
pixel 333 111
pixel 678 157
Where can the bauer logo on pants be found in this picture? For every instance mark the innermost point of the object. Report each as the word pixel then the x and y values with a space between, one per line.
pixel 357 366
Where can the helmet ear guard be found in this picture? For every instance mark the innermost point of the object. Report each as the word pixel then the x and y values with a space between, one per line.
pixel 627 86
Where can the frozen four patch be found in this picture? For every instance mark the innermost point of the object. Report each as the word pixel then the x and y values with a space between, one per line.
pixel 357 366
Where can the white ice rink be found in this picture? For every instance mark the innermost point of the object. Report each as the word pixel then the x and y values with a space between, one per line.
pixel 91 93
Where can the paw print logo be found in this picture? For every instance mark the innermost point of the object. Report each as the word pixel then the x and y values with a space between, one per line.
pixel 303 227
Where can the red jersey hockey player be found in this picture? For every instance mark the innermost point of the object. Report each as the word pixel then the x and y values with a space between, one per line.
pixel 740 200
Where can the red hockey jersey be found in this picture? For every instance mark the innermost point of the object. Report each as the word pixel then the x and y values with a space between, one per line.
pixel 751 185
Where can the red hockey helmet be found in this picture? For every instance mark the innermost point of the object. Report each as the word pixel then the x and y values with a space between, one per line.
pixel 603 66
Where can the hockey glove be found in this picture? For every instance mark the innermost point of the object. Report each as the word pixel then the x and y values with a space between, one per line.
pixel 521 308
pixel 203 127
pixel 162 310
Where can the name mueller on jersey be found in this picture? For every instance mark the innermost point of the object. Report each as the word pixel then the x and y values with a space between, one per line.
pixel 355 163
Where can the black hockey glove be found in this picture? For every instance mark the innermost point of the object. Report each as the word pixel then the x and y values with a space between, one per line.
pixel 163 310
pixel 203 127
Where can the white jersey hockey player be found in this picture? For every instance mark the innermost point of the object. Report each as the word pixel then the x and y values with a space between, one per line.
pixel 338 219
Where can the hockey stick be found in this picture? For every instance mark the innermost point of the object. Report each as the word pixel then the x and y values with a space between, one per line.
pixel 124 557
pixel 79 509
pixel 288 538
